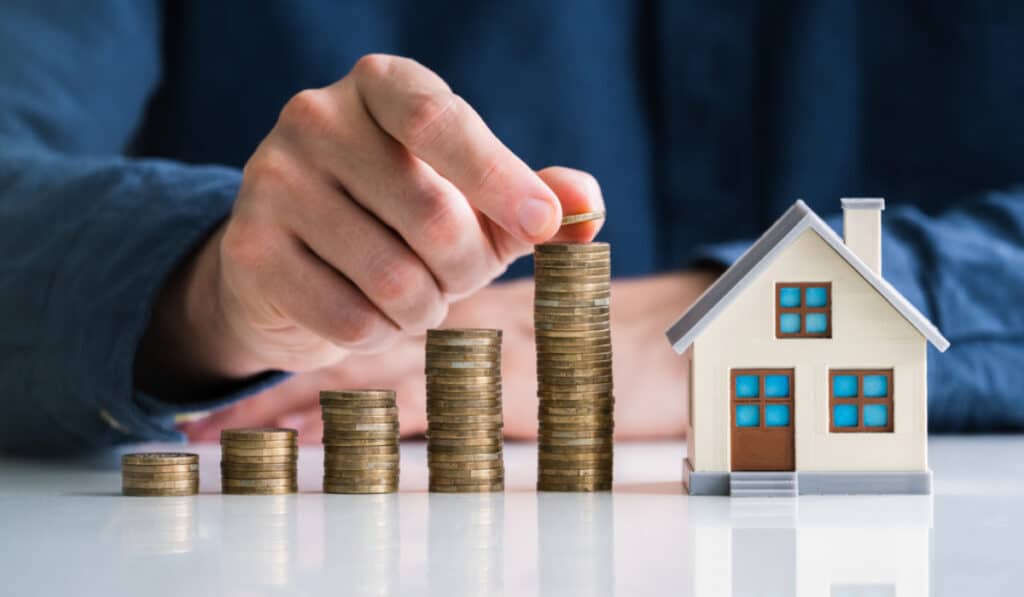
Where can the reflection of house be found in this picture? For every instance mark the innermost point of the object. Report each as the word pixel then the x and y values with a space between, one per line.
pixel 867 546
pixel 807 369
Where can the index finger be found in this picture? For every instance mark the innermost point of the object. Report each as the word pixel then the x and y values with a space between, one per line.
pixel 417 108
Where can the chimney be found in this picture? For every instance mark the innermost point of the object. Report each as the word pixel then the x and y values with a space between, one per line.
pixel 862 230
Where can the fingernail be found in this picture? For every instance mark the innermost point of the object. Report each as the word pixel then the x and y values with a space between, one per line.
pixel 535 216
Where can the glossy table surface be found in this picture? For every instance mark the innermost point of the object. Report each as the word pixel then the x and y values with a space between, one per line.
pixel 64 530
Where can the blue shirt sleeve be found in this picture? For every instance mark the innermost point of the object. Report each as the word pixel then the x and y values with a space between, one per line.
pixel 964 269
pixel 87 236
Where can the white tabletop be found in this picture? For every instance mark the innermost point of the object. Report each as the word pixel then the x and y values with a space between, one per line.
pixel 65 530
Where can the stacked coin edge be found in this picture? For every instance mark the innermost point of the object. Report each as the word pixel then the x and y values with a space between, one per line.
pixel 464 411
pixel 259 461
pixel 159 474
pixel 572 301
pixel 361 441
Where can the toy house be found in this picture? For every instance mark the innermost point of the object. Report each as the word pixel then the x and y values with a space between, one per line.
pixel 807 369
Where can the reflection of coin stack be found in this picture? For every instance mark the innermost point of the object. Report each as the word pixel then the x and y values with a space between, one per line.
pixel 258 538
pixel 471 561
pixel 157 527
pixel 360 441
pixel 259 461
pixel 572 297
pixel 464 420
pixel 581 525
pixel 160 474
pixel 372 525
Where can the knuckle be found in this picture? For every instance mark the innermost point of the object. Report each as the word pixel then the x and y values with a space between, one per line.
pixel 490 169
pixel 246 244
pixel 269 167
pixel 373 66
pixel 358 325
pixel 309 111
pixel 425 115
pixel 393 278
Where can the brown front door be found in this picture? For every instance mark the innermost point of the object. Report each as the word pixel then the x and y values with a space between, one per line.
pixel 762 419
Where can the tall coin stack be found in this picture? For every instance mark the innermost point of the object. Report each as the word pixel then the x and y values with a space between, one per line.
pixel 572 296
pixel 160 474
pixel 259 461
pixel 464 422
pixel 360 441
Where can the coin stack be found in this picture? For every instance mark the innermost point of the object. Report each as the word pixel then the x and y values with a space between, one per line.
pixel 464 422
pixel 572 296
pixel 360 441
pixel 259 461
pixel 160 474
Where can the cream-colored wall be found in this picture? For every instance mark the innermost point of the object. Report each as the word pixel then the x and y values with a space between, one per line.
pixel 867 333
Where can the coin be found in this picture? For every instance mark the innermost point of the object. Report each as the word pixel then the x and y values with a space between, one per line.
pixel 390 411
pixel 259 445
pixel 160 484
pixel 132 476
pixel 155 469
pixel 259 433
pixel 144 492
pixel 159 458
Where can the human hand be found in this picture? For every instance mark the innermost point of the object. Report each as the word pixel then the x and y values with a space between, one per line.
pixel 650 379
pixel 371 205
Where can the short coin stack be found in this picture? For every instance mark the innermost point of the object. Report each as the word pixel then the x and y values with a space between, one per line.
pixel 572 297
pixel 464 422
pixel 360 441
pixel 259 461
pixel 160 474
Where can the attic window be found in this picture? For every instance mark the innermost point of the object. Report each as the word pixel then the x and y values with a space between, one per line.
pixel 803 310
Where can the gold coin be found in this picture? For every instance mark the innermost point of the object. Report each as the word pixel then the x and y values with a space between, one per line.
pixel 357 489
pixel 141 492
pixel 132 476
pixel 567 303
pixel 439 457
pixel 579 218
pixel 361 450
pixel 390 411
pixel 468 487
pixel 578 487
pixel 358 393
pixel 261 460
pixel 557 434
pixel 357 404
pixel 362 476
pixel 258 434
pixel 159 458
pixel 546 456
pixel 492 446
pixel 230 474
pixel 257 483
pixel 572 247
pixel 286 465
pixel 589 443
pixel 270 452
pixel 260 445
pixel 346 421
pixel 434 411
pixel 361 443
pixel 345 426
pixel 458 393
pixel 155 469
pixel 461 433
pixel 340 456
pixel 260 490
pixel 330 435
pixel 172 484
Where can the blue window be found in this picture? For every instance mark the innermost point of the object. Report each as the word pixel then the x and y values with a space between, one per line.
pixel 748 415
pixel 776 415
pixel 862 400
pixel 776 386
pixel 803 310
pixel 762 398
pixel 748 386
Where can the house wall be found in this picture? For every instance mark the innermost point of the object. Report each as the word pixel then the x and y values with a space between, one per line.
pixel 867 333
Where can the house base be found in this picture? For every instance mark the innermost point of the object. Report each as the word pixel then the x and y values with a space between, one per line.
pixel 821 483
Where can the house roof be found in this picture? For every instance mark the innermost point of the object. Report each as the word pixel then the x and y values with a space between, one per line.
pixel 780 235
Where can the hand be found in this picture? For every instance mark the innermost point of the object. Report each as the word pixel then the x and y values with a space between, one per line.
pixel 650 379
pixel 372 204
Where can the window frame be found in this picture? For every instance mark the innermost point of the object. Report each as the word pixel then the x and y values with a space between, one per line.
pixel 762 401
pixel 803 310
pixel 860 400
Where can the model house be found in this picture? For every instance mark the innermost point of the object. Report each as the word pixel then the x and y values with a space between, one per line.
pixel 807 369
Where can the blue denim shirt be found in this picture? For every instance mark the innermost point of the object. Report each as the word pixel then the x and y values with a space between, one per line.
pixel 123 125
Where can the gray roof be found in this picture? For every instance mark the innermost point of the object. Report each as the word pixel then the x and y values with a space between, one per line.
pixel 781 234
